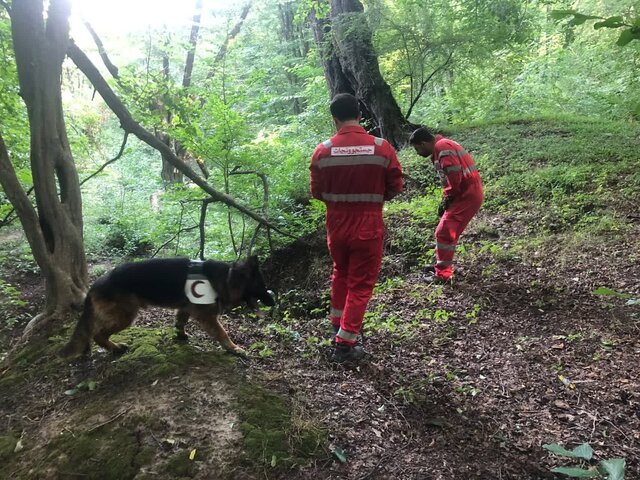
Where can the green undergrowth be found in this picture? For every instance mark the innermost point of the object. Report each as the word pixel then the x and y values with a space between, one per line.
pixel 274 435
pixel 572 177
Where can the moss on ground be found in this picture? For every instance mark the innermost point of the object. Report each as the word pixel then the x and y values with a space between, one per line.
pixel 272 436
pixel 7 447
pixel 110 454
pixel 180 466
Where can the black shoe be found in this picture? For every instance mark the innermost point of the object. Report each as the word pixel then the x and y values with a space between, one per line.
pixel 347 354
pixel 435 279
pixel 359 341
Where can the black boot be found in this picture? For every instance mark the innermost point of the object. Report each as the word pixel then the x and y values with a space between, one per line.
pixel 347 354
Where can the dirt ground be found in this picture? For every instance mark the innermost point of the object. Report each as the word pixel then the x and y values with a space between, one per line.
pixel 522 354
pixel 464 382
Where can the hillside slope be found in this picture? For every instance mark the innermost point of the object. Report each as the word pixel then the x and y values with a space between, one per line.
pixel 465 381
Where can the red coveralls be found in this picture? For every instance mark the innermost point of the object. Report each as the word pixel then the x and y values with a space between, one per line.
pixel 460 177
pixel 353 173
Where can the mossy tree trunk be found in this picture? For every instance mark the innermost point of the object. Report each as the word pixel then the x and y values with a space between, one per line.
pixel 54 226
pixel 351 66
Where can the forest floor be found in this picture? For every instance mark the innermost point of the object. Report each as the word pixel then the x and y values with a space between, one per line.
pixel 536 342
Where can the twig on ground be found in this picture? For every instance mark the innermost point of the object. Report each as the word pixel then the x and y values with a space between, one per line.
pixel 109 421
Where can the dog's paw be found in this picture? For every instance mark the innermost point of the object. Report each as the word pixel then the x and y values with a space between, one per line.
pixel 241 352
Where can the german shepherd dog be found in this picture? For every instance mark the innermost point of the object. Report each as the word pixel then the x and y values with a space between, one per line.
pixel 113 301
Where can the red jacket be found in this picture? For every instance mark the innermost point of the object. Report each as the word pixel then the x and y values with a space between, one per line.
pixel 355 170
pixel 454 165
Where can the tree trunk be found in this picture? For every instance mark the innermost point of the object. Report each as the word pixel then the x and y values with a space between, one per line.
pixel 351 66
pixel 54 231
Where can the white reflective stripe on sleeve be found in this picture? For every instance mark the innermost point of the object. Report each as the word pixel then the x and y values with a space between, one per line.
pixel 452 168
pixel 351 161
pixel 457 153
pixel 353 197
pixel 348 336
pixel 467 171
pixel 444 246
pixel 334 312
pixel 446 153
pixel 327 143
pixel 379 141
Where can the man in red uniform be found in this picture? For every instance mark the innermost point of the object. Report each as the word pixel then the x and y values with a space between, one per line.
pixel 462 196
pixel 353 173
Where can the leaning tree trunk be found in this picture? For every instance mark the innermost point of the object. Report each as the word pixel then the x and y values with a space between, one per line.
pixel 351 66
pixel 54 231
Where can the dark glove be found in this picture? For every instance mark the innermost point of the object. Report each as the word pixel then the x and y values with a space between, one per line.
pixel 444 204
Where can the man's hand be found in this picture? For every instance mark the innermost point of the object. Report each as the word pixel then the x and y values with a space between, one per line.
pixel 444 204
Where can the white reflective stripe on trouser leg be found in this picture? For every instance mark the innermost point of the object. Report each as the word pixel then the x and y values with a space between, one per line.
pixel 444 263
pixel 348 336
pixel 444 246
pixel 335 312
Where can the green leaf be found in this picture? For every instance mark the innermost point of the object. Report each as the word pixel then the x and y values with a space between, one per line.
pixel 579 19
pixel 583 451
pixel 274 460
pixel 609 292
pixel 614 467
pixel 339 453
pixel 560 14
pixel 627 35
pixel 576 472
pixel 611 22
pixel 73 391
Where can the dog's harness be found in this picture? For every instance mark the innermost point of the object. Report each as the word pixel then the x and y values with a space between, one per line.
pixel 198 288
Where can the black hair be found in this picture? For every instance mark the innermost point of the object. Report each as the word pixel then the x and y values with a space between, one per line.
pixel 421 135
pixel 344 106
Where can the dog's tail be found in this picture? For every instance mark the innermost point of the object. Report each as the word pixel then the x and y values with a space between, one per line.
pixel 81 338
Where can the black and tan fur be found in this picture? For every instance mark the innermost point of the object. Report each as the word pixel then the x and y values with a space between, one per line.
pixel 113 301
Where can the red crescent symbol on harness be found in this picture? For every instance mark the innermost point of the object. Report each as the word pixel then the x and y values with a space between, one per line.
pixel 193 289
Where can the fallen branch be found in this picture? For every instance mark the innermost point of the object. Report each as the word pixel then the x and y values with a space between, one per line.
pixel 128 123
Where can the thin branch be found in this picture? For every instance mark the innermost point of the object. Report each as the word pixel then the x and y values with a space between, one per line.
pixel 124 143
pixel 424 83
pixel 265 203
pixel 6 220
pixel 129 124
pixel 231 35
pixel 203 216
pixel 113 70
pixel 178 233
pixel 115 417
pixel 20 200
